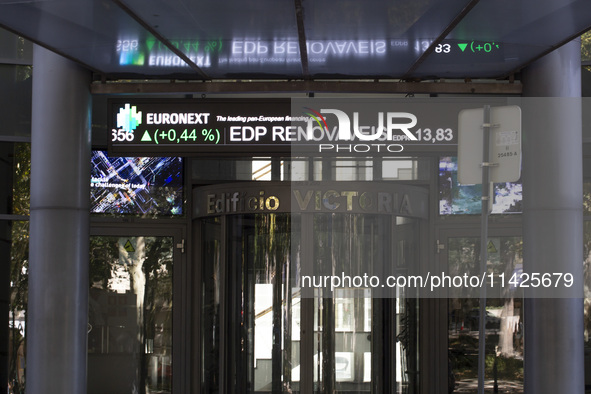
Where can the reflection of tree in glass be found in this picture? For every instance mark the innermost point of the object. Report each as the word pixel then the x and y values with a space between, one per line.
pixel 464 256
pixel 266 258
pixel 504 315
pixel 586 47
pixel 587 280
pixel 104 254
pixel 587 198
pixel 19 260
pixel 140 279
pixel 210 307
pixel 18 301
pixel 21 180
pixel 587 229
pixel 157 268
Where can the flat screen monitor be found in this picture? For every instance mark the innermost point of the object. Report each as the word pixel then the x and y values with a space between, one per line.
pixel 143 186
pixel 455 198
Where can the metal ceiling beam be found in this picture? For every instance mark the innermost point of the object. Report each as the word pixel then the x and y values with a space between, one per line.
pixel 302 39
pixel 360 87
pixel 162 39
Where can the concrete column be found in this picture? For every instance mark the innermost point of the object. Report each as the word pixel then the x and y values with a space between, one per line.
pixel 553 219
pixel 59 232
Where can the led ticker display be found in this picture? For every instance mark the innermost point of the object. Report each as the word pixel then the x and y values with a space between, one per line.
pixel 246 127
pixel 468 46
pixel 201 126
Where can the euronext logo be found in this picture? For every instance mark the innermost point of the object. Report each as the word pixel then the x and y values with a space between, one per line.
pixel 128 118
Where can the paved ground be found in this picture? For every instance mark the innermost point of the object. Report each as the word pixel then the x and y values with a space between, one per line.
pixel 505 387
pixel 471 386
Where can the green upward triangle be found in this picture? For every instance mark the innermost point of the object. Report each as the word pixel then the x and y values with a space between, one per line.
pixel 146 137
pixel 463 46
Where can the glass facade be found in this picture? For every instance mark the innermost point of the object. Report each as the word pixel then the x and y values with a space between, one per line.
pixel 249 312
pixel 18 255
pixel 504 319
pixel 130 315
pixel 16 174
pixel 15 171
pixel 15 100
pixel 586 48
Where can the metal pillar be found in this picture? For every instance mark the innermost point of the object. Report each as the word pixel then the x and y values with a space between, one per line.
pixel 485 204
pixel 553 219
pixel 59 232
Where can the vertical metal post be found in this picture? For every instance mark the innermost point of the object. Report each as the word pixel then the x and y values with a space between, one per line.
pixel 307 311
pixel 226 299
pixel 483 243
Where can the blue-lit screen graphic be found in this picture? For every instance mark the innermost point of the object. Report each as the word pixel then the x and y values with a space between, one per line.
pixel 144 186
pixel 457 199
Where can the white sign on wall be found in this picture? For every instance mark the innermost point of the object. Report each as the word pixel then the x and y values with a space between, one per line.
pixel 504 145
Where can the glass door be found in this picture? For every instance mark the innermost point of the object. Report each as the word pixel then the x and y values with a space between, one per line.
pixel 130 324
pixel 504 316
pixel 259 333
pixel 250 313
pixel 365 334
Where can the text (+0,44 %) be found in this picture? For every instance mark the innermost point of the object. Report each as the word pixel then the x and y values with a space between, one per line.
pixel 207 136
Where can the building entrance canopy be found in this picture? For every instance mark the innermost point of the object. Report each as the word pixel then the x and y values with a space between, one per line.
pixel 300 39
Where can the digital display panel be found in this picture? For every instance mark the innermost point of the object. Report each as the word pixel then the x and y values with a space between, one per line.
pixel 144 186
pixel 296 126
pixel 243 127
pixel 207 127
pixel 455 198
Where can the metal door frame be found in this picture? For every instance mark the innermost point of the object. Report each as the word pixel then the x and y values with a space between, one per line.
pixel 181 340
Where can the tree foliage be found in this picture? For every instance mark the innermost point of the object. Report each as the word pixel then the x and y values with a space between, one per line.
pixel 586 46
pixel 19 259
